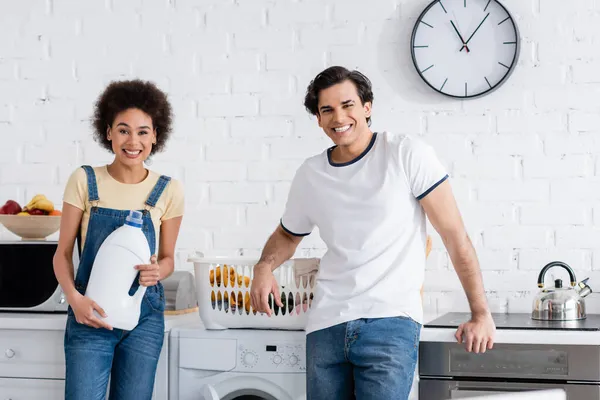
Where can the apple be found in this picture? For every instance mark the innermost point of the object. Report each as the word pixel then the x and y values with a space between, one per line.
pixel 36 211
pixel 10 207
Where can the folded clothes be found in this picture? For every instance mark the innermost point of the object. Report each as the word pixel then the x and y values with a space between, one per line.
pixel 305 270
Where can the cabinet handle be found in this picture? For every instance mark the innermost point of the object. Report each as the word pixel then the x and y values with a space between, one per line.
pixel 9 353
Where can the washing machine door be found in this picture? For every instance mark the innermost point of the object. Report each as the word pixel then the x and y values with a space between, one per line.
pixel 209 393
pixel 244 388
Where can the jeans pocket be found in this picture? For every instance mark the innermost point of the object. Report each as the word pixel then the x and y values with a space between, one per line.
pixel 415 326
pixel 155 298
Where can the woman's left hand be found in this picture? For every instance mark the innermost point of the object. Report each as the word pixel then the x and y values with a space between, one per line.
pixel 149 273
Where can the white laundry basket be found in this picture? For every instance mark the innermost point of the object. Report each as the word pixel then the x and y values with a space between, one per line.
pixel 223 290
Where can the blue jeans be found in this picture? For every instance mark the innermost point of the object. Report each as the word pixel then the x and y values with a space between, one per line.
pixel 371 359
pixel 130 358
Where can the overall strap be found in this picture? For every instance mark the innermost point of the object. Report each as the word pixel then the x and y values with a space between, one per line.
pixel 157 191
pixel 92 185
pixel 92 198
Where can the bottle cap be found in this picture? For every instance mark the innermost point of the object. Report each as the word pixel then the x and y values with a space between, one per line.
pixel 134 219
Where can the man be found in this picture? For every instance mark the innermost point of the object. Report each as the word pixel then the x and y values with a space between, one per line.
pixel 369 195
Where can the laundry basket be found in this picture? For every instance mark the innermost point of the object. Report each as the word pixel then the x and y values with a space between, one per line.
pixel 223 290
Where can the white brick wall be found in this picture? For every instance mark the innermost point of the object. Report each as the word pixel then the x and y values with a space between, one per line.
pixel 524 160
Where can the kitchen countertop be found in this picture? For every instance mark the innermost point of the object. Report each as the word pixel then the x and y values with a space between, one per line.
pixel 509 336
pixel 57 321
pixel 48 321
pixel 514 336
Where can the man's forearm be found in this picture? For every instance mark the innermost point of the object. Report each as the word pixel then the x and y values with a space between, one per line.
pixel 279 248
pixel 464 258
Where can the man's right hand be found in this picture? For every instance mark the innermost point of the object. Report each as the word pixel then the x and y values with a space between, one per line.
pixel 263 284
pixel 83 308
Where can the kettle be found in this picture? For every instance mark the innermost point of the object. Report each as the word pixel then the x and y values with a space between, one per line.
pixel 560 303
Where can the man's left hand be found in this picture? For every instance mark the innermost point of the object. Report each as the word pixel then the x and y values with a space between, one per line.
pixel 477 334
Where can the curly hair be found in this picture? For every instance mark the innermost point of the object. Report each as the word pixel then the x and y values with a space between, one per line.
pixel 332 76
pixel 123 95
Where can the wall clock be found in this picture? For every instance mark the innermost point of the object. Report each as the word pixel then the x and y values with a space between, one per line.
pixel 465 48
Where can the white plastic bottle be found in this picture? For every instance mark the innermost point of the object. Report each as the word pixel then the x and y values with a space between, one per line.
pixel 113 273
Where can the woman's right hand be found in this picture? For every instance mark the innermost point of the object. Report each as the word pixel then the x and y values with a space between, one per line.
pixel 83 308
pixel 263 284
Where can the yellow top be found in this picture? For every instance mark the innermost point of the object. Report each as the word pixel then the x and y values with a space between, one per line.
pixel 122 196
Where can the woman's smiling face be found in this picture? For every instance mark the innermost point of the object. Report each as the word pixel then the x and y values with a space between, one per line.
pixel 132 136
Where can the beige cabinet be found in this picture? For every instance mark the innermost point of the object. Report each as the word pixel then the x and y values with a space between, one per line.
pixel 32 389
pixel 32 365
pixel 32 354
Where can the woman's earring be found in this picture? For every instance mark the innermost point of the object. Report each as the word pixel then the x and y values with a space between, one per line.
pixel 148 161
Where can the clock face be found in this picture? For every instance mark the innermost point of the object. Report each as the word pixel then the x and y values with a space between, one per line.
pixel 465 48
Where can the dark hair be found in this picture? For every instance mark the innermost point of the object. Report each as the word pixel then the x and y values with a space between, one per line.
pixel 123 95
pixel 332 76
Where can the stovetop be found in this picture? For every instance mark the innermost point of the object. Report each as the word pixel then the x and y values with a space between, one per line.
pixel 519 321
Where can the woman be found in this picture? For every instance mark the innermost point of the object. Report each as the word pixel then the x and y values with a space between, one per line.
pixel 132 119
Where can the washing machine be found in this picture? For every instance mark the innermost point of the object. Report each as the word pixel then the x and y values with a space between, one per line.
pixel 240 364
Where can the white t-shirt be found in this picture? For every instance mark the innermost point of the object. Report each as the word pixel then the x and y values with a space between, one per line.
pixel 368 214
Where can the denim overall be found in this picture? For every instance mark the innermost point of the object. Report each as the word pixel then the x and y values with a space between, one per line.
pixel 93 355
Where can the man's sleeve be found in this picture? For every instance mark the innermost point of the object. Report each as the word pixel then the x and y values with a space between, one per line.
pixel 296 220
pixel 423 169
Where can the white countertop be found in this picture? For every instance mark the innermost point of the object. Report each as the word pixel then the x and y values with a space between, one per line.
pixel 515 336
pixel 47 321
pixel 42 321
pixel 520 336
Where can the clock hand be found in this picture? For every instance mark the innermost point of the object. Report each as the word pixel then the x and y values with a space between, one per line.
pixel 460 37
pixel 481 23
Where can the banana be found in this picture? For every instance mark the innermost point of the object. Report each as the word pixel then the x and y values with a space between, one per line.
pixel 40 202
pixel 44 205
pixel 34 200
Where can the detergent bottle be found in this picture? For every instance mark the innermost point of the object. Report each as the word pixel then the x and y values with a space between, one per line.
pixel 113 273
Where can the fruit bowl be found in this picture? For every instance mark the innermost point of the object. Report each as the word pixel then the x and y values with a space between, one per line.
pixel 31 227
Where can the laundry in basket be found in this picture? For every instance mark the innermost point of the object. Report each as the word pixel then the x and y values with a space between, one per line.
pixel 223 290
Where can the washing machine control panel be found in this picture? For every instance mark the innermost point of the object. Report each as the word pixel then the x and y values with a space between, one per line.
pixel 262 356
